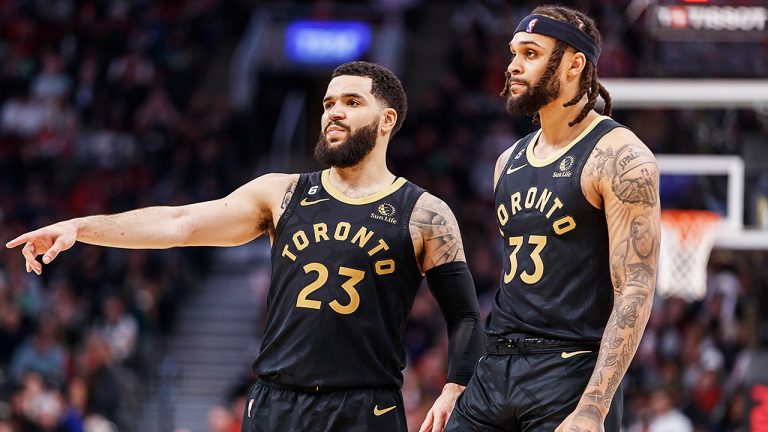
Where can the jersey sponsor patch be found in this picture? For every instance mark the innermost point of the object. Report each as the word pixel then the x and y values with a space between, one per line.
pixel 564 167
pixel 385 212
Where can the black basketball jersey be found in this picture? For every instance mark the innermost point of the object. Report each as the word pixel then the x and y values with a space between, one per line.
pixel 344 277
pixel 556 281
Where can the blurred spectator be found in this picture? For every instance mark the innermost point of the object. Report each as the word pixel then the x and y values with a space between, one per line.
pixel 106 106
pixel 118 328
pixel 221 419
pixel 41 353
pixel 667 418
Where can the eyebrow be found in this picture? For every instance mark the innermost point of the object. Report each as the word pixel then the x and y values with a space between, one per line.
pixel 526 43
pixel 345 96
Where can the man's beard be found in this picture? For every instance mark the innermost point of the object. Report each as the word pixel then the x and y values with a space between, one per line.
pixel 534 98
pixel 348 153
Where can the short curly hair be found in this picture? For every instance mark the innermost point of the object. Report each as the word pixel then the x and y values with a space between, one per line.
pixel 386 87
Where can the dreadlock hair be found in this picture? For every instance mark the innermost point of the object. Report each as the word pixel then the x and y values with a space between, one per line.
pixel 589 84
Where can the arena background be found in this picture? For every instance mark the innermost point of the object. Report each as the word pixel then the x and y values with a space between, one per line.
pixel 111 105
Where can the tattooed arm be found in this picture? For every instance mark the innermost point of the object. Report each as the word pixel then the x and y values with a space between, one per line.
pixel 622 177
pixel 235 219
pixel 435 233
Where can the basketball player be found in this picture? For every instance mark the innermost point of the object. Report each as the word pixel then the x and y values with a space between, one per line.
pixel 577 205
pixel 350 246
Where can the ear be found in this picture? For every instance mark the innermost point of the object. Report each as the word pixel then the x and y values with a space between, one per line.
pixel 388 120
pixel 577 64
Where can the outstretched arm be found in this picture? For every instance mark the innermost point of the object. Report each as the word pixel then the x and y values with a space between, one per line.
pixel 235 219
pixel 627 180
pixel 439 251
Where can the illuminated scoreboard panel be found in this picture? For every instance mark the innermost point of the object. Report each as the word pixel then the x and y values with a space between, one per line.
pixel 707 38
pixel 713 20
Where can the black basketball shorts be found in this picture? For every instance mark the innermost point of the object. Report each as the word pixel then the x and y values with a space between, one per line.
pixel 273 408
pixel 526 393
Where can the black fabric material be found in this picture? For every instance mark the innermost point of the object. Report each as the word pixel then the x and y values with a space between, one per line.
pixel 572 296
pixel 528 393
pixel 453 288
pixel 334 252
pixel 271 408
pixel 320 389
pixel 534 345
pixel 561 31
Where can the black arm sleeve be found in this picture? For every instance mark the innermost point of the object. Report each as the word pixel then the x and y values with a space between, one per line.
pixel 453 288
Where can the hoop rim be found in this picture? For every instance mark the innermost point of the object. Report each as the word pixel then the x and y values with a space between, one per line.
pixel 692 225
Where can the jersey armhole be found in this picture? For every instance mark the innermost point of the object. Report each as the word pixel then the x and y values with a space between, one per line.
pixel 298 192
pixel 508 162
pixel 410 252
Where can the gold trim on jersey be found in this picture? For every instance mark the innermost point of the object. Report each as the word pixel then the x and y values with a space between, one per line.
pixel 538 163
pixel 325 178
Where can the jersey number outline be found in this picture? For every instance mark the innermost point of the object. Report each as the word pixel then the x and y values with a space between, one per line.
pixel 538 265
pixel 354 275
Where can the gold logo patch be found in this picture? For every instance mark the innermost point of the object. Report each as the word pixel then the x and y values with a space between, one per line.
pixel 377 412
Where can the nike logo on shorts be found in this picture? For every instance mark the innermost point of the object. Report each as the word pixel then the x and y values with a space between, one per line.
pixel 377 412
pixel 567 355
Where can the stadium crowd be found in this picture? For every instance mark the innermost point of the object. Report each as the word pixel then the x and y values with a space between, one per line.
pixel 106 106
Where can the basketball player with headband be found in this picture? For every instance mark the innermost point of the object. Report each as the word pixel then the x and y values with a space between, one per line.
pixel 577 205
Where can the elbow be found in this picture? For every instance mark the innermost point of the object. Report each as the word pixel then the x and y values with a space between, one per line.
pixel 181 229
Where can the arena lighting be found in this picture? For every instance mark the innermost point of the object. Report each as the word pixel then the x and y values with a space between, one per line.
pixel 326 42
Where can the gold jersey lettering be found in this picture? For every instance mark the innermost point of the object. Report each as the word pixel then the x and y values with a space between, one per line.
pixel 300 240
pixel 557 205
pixel 384 267
pixel 515 199
pixel 502 214
pixel 321 231
pixel 287 253
pixel 342 231
pixel 382 245
pixel 563 225
pixel 362 236
pixel 530 197
pixel 533 200
pixel 543 198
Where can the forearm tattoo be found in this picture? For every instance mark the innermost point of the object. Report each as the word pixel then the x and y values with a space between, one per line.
pixel 435 232
pixel 634 233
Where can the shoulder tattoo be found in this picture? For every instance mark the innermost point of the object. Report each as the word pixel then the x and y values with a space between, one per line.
pixel 433 223
pixel 631 170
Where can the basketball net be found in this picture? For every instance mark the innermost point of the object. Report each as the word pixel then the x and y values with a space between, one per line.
pixel 687 237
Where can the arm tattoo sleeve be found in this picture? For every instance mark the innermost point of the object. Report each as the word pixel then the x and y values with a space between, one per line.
pixel 433 226
pixel 631 180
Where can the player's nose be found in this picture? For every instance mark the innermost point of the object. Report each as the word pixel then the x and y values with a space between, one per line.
pixel 514 67
pixel 336 112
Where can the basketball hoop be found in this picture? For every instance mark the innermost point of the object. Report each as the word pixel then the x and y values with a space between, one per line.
pixel 687 237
